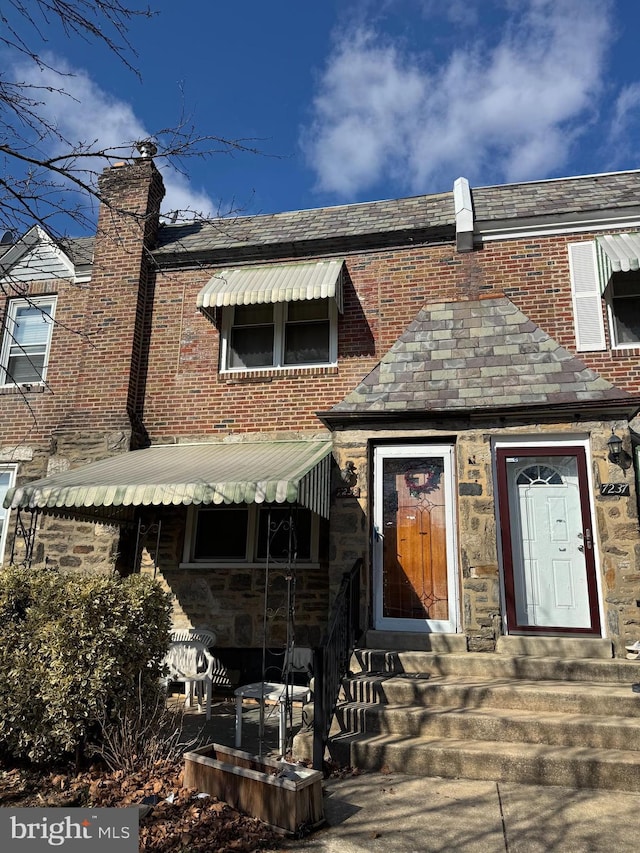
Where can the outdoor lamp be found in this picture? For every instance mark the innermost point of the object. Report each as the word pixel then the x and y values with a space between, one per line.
pixel 615 447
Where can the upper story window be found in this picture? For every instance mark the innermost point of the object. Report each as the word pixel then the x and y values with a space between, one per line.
pixel 606 269
pixel 277 316
pixel 7 479
pixel 282 334
pixel 26 340
pixel 623 300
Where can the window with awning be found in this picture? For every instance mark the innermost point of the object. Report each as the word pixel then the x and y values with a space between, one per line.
pixel 619 282
pixel 606 268
pixel 277 316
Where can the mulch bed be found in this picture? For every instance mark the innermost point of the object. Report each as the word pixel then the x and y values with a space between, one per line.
pixel 178 821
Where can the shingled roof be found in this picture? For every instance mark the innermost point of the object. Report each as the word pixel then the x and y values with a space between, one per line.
pixel 414 220
pixel 300 232
pixel 473 356
pixel 562 196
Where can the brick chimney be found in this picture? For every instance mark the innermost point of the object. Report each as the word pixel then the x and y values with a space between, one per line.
pixel 111 388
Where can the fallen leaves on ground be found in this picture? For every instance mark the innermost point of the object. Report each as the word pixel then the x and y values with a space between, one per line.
pixel 178 821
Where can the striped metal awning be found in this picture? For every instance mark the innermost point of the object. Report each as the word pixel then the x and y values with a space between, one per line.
pixel 617 253
pixel 274 283
pixel 182 474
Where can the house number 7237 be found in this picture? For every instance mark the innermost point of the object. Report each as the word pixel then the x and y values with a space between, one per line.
pixel 621 489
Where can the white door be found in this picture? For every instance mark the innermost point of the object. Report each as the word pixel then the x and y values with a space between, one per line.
pixel 415 568
pixel 549 543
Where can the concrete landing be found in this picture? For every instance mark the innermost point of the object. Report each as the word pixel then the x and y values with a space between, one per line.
pixel 394 813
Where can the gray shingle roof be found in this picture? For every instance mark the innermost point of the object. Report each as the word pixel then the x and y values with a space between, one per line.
pixel 560 196
pixel 79 249
pixel 483 354
pixel 396 222
pixel 306 228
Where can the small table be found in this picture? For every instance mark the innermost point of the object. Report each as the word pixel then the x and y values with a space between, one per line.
pixel 270 691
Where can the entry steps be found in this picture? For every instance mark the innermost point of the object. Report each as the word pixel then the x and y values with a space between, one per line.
pixel 552 719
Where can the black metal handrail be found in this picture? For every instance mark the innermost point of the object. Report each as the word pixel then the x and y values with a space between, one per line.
pixel 331 658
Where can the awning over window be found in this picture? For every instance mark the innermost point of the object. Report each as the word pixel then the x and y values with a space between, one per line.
pixel 165 475
pixel 274 283
pixel 617 253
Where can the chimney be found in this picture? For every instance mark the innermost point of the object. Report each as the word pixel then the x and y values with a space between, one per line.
pixel 111 390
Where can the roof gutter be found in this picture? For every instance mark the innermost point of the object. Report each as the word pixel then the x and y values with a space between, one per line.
pixel 608 409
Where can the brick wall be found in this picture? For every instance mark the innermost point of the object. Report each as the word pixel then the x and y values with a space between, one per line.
pixel 91 404
pixel 384 291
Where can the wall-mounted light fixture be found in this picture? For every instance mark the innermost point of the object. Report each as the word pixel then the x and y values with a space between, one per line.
pixel 349 473
pixel 615 447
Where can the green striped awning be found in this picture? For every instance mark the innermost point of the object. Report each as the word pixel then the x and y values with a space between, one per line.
pixel 166 475
pixel 617 253
pixel 274 283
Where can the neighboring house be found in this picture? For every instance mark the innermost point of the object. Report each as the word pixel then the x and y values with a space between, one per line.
pixel 430 384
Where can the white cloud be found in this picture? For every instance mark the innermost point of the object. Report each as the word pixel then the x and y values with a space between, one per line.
pixel 86 116
pixel 511 111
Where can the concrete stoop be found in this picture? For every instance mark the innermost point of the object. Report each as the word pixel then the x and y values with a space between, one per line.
pixel 531 718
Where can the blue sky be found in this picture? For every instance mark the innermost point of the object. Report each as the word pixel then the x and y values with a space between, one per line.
pixel 351 100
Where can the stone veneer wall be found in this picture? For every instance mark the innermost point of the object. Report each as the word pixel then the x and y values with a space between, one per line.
pixel 230 600
pixel 61 542
pixel 616 523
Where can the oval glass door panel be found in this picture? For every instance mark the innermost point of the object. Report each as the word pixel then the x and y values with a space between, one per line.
pixel 414 539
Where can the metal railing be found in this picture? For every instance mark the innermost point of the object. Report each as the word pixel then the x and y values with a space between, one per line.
pixel 331 658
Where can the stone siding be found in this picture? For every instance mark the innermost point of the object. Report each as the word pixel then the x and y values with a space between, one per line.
pixel 478 534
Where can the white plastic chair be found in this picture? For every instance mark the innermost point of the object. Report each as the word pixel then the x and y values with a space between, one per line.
pixel 190 663
pixel 199 635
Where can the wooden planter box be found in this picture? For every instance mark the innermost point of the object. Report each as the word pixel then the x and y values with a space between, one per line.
pixel 286 796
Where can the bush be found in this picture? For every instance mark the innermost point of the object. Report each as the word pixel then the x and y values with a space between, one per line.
pixel 74 650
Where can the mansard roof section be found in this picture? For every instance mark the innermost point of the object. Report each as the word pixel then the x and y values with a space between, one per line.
pixel 481 355
pixel 581 202
pixel 587 201
pixel 300 233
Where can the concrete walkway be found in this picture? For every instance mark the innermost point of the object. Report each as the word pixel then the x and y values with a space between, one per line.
pixel 392 813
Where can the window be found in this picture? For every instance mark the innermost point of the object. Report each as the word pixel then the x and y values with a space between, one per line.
pixel 281 334
pixel 26 341
pixel 244 533
pixel 7 478
pixel 623 298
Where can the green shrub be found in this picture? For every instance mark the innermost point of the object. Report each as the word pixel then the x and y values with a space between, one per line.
pixel 74 651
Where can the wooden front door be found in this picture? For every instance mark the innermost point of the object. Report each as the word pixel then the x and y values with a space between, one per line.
pixel 547 539
pixel 414 539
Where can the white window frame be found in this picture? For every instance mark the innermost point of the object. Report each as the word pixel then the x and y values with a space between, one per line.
pixel 4 513
pixel 279 323
pixel 47 306
pixel 249 560
pixel 609 299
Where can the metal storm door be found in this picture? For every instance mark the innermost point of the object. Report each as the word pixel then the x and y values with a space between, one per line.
pixel 415 574
pixel 547 540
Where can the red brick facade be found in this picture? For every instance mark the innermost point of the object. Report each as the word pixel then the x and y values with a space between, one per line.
pixel 133 360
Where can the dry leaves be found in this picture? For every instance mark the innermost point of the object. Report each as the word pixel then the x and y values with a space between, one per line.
pixel 178 822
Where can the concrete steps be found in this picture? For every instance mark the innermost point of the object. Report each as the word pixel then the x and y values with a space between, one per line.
pixel 485 665
pixel 529 718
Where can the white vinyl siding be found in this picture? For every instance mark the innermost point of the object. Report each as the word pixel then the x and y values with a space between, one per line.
pixel 587 301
